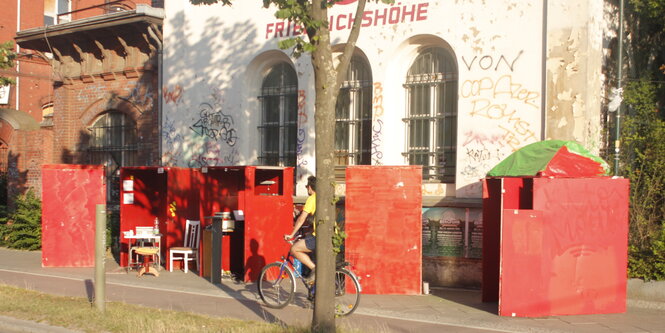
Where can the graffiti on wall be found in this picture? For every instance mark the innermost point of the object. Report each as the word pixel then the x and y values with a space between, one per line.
pixel 301 162
pixel 215 132
pixel 141 95
pixel 172 96
pixel 170 138
pixel 214 124
pixel 497 96
pixel 377 124
pixel 212 155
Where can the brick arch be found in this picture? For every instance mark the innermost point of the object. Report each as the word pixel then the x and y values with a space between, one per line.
pixel 6 131
pixel 110 102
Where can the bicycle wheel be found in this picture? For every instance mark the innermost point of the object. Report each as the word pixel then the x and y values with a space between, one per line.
pixel 347 292
pixel 277 285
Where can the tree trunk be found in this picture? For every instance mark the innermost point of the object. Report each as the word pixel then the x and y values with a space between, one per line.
pixel 325 78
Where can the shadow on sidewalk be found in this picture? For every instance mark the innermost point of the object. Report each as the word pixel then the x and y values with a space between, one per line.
pixel 466 297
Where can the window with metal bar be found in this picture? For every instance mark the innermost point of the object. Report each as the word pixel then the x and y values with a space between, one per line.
pixel 279 113
pixel 431 116
pixel 353 116
pixel 113 143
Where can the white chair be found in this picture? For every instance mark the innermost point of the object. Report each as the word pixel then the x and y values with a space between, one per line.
pixel 190 250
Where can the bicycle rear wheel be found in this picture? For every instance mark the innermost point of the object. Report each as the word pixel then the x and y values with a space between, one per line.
pixel 347 292
pixel 277 285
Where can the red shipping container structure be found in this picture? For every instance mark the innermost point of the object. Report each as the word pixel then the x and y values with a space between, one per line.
pixel 174 195
pixel 384 228
pixel 70 195
pixel 556 245
pixel 265 196
pixel 166 193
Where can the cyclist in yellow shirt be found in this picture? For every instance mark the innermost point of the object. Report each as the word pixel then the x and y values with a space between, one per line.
pixel 301 248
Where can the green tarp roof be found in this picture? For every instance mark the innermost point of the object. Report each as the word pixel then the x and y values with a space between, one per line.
pixel 551 158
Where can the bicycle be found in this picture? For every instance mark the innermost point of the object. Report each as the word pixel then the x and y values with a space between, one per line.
pixel 277 286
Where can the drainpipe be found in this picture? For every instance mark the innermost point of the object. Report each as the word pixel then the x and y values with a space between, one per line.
pixel 543 73
pixel 160 76
pixel 18 49
pixel 617 142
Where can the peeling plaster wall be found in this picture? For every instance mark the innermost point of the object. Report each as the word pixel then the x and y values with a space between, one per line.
pixel 574 77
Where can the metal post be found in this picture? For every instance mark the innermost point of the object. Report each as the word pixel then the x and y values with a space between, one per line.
pixel 617 142
pixel 216 249
pixel 100 253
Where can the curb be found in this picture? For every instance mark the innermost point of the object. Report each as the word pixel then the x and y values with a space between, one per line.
pixel 646 294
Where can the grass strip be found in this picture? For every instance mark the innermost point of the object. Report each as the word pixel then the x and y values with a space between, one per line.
pixel 79 314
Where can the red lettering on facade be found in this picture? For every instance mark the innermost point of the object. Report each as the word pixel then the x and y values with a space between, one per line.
pixel 279 27
pixel 394 14
pixel 422 11
pixel 378 17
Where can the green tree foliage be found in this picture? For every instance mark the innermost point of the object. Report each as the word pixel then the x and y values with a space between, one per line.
pixel 642 139
pixel 7 57
pixel 645 28
pixel 643 162
pixel 22 229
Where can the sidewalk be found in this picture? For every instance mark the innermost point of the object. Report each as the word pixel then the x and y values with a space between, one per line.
pixel 445 310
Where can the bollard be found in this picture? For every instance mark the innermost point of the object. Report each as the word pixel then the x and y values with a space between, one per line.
pixel 100 253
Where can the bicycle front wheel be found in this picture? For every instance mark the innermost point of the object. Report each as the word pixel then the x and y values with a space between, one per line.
pixel 347 292
pixel 277 285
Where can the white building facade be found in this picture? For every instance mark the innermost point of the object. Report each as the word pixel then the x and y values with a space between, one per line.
pixel 453 85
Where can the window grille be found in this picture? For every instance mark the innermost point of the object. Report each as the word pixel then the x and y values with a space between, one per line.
pixel 353 116
pixel 113 143
pixel 279 113
pixel 431 117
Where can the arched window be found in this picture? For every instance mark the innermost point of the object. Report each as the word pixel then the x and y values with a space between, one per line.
pixel 431 116
pixel 279 113
pixel 113 143
pixel 353 116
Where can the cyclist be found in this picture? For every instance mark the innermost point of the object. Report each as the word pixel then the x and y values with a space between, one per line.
pixel 301 248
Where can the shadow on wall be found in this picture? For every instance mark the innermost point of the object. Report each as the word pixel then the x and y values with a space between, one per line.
pixel 203 124
pixel 17 181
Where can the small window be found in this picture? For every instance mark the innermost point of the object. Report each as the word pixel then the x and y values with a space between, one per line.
pixel 431 117
pixel 54 10
pixel 353 116
pixel 279 112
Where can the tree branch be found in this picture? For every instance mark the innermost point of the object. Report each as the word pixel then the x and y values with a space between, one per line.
pixel 350 46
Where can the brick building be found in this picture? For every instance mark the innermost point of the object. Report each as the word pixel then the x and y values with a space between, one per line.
pixel 101 78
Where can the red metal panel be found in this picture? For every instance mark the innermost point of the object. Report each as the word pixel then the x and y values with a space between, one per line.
pixel 383 225
pixel 268 216
pixel 265 195
pixel 70 194
pixel 522 263
pixel 581 268
pixel 182 200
